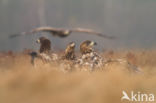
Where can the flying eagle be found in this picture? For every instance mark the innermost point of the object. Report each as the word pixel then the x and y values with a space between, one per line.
pixel 62 32
pixel 87 46
pixel 70 51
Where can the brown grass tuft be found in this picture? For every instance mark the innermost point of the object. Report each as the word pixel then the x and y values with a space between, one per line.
pixel 21 83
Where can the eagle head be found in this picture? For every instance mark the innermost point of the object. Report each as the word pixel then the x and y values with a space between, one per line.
pixel 70 51
pixel 67 32
pixel 87 46
pixel 41 39
pixel 45 44
pixel 72 44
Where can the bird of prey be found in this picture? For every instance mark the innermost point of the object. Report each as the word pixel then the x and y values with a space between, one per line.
pixel 45 45
pixel 62 32
pixel 70 51
pixel 89 57
pixel 87 46
pixel 44 53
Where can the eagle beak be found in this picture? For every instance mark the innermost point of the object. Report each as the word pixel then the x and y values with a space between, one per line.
pixel 72 45
pixel 93 43
pixel 37 41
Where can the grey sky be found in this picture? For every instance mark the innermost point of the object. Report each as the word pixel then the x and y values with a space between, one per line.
pixel 132 21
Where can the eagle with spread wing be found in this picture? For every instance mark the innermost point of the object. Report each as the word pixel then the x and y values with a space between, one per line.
pixel 61 32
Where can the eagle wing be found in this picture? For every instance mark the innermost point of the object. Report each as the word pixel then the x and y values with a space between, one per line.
pixel 46 29
pixel 90 31
pixel 18 34
pixel 39 29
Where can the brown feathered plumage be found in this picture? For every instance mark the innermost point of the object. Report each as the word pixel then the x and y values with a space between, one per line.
pixel 62 32
pixel 45 45
pixel 70 52
pixel 87 46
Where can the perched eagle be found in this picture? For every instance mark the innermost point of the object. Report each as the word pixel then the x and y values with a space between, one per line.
pixel 70 52
pixel 45 45
pixel 87 46
pixel 89 57
pixel 44 53
pixel 62 32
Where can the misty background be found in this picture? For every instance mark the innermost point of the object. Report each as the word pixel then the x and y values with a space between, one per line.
pixel 133 22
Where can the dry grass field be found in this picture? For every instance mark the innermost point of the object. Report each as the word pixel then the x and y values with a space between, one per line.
pixel 20 82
